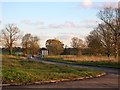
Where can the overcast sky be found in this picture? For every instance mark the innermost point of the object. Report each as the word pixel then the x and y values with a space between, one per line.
pixel 61 20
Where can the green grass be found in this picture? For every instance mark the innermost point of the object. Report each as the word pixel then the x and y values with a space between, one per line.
pixel 91 63
pixel 21 71
pixel 4 52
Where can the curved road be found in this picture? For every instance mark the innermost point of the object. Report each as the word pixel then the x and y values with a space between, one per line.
pixel 110 80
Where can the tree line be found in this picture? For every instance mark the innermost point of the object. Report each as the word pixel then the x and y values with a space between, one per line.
pixel 103 40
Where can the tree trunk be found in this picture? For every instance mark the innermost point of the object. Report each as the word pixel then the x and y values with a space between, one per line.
pixel 108 52
pixel 116 46
pixel 10 50
pixel 116 53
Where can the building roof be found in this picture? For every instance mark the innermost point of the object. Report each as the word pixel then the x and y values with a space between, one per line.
pixel 43 48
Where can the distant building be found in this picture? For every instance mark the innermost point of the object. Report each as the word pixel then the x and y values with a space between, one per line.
pixel 18 53
pixel 43 52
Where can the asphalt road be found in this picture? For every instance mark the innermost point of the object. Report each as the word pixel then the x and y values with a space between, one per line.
pixel 110 81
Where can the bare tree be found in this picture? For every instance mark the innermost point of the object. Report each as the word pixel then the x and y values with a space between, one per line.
pixel 9 36
pixel 78 44
pixel 106 38
pixel 111 18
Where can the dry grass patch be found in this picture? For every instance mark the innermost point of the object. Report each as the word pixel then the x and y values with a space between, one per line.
pixel 101 61
pixel 91 58
pixel 84 58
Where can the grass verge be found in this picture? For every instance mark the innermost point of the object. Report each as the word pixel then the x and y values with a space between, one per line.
pixel 16 70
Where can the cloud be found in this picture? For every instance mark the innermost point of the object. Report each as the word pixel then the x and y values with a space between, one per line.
pixel 42 27
pixel 67 24
pixel 98 5
pixel 70 24
pixel 64 25
pixel 28 22
pixel 66 37
pixel 63 37
pixel 56 26
pixel 107 4
pixel 91 23
pixel 86 3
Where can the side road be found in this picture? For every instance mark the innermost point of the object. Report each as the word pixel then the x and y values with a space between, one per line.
pixel 111 80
